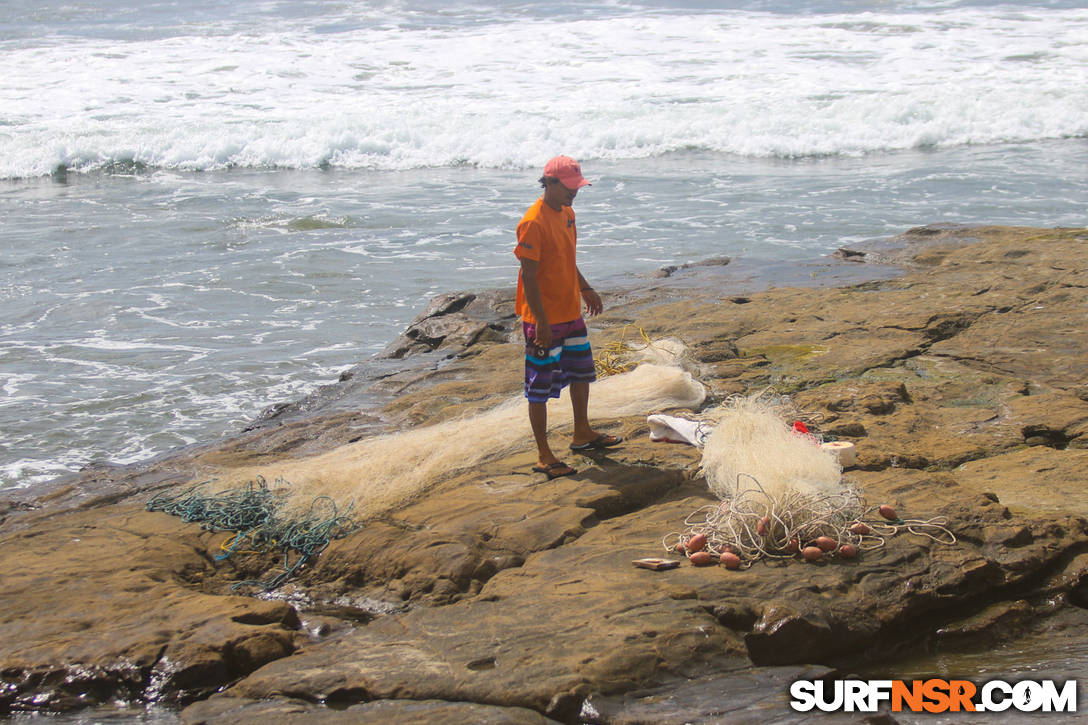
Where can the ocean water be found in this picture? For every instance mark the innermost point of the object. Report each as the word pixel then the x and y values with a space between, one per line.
pixel 207 208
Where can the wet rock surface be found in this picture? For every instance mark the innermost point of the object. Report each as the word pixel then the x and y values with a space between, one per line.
pixel 500 596
pixel 456 321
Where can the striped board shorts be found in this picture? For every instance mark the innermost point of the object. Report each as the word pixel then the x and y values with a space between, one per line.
pixel 570 360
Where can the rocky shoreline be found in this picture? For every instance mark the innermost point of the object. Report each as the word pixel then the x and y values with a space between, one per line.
pixel 502 597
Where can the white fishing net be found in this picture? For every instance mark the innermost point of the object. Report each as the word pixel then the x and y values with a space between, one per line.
pixel 752 436
pixel 384 472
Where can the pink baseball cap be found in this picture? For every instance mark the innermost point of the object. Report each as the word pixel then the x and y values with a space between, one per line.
pixel 567 171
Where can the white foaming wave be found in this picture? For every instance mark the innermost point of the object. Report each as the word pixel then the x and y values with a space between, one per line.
pixel 26 472
pixel 509 95
pixel 10 385
pixel 102 343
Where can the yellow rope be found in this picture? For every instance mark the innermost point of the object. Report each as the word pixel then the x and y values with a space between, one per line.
pixel 610 359
pixel 226 546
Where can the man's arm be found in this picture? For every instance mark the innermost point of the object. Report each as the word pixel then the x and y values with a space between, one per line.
pixel 594 304
pixel 531 286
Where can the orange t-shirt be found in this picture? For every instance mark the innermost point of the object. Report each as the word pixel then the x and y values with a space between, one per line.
pixel 550 237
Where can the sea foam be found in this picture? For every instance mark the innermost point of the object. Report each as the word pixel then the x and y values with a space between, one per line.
pixel 506 94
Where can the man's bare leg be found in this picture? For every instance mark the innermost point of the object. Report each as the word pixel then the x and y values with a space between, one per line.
pixel 538 420
pixel 583 431
pixel 579 402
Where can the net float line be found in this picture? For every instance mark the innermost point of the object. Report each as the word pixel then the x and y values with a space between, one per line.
pixel 755 525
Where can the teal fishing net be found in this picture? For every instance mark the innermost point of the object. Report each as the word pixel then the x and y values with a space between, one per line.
pixel 257 516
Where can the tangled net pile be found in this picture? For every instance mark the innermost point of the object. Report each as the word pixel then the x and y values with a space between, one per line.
pixel 255 513
pixel 752 442
pixel 781 495
pixel 753 525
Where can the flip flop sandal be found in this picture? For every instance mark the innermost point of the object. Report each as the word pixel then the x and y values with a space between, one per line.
pixel 604 440
pixel 549 470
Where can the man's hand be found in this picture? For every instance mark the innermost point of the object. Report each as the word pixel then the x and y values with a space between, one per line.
pixel 594 305
pixel 543 338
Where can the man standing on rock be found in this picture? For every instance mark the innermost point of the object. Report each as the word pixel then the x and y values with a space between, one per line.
pixel 550 294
